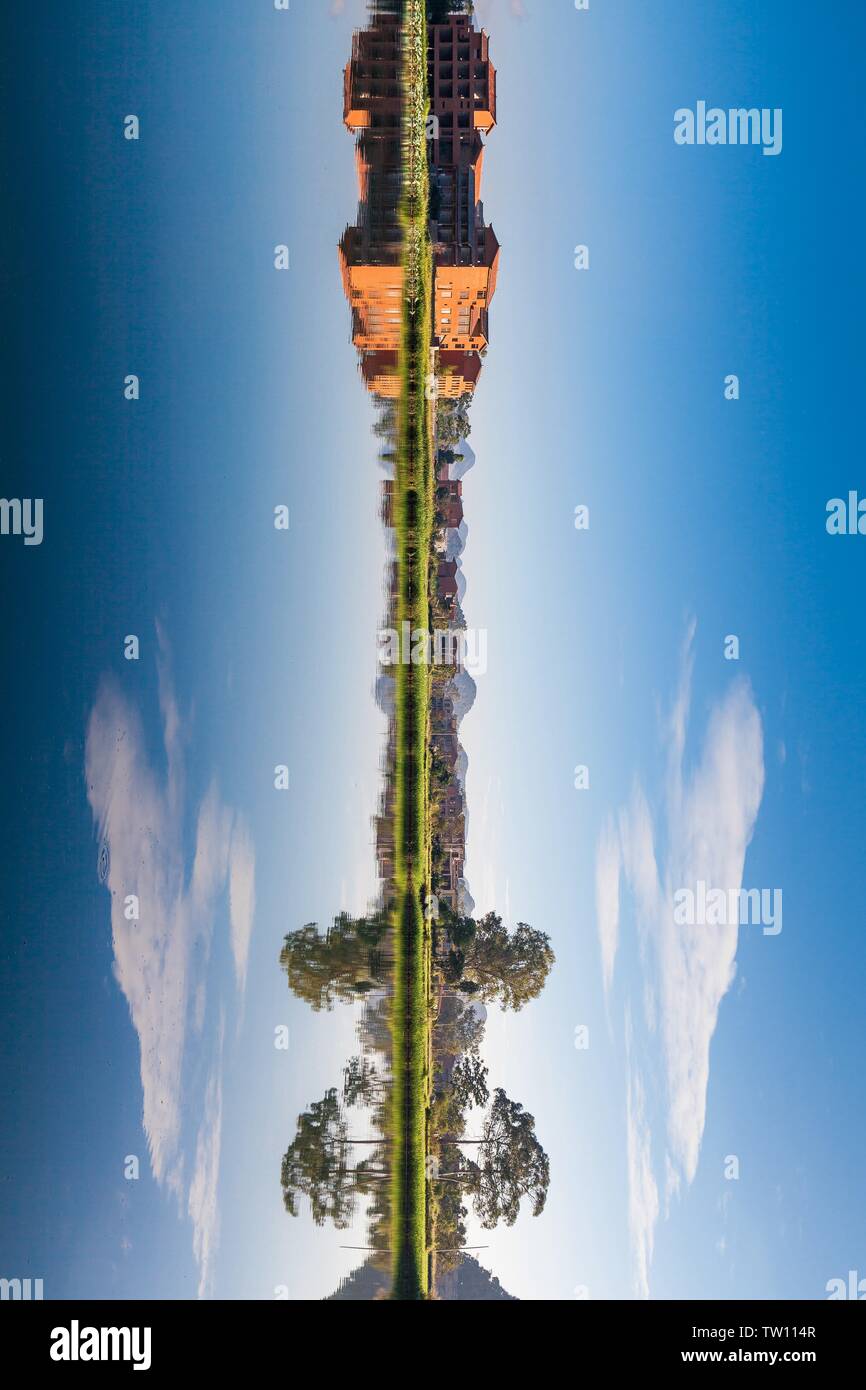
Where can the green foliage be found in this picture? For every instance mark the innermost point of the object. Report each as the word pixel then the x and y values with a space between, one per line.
pixel 361 1082
pixel 339 965
pixel 439 770
pixel 450 1225
pixel 469 1082
pixel 459 1030
pixel 318 1165
pixel 413 514
pixel 385 425
pixel 452 420
pixel 439 10
pixel 455 963
pixel 462 932
pixel 511 1165
pixel 509 968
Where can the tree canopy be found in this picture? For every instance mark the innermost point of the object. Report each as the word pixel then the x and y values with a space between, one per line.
pixel 452 420
pixel 511 1165
pixel 361 1082
pixel 503 966
pixel 459 1029
pixel 319 1165
pixel 339 965
pixel 469 1082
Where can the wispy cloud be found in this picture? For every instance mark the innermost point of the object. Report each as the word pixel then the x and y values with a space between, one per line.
pixel 202 1202
pixel 705 823
pixel 242 898
pixel 643 1195
pixel 160 956
pixel 712 818
pixel 608 868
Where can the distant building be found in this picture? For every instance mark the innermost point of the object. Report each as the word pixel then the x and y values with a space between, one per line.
pixel 449 502
pixel 446 579
pixel 458 372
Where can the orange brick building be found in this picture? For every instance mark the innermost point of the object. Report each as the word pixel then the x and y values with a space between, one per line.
pixel 462 83
pixel 456 373
pixel 372 97
pixel 462 79
pixel 375 293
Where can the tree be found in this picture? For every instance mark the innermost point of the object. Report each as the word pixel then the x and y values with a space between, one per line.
pixel 318 1165
pixel 511 1165
pixel 385 425
pixel 450 1226
pixel 509 967
pixel 448 456
pixel 342 964
pixel 459 1030
pixel 361 1082
pixel 439 770
pixel 462 931
pixel 439 10
pixel 452 420
pixel 455 962
pixel 469 1082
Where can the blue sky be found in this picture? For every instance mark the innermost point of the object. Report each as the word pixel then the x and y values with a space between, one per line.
pixel 605 647
pixel 705 514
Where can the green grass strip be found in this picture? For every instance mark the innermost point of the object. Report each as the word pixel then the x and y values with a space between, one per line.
pixel 413 496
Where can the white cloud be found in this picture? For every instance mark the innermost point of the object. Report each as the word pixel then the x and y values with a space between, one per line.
pixel 673 1183
pixel 608 864
pixel 625 850
pixel 638 854
pixel 134 814
pixel 712 816
pixel 707 819
pixel 202 1203
pixel 242 899
pixel 140 812
pixel 643 1195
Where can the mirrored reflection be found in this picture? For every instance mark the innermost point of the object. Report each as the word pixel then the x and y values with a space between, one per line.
pixel 415 1136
